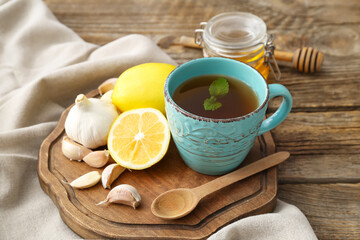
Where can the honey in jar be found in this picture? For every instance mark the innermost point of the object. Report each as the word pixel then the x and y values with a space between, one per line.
pixel 240 36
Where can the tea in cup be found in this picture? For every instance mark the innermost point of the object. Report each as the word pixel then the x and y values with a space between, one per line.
pixel 216 108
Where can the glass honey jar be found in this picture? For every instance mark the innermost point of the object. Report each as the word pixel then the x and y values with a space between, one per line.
pixel 240 36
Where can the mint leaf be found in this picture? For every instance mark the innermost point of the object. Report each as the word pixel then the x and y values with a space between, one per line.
pixel 211 104
pixel 219 87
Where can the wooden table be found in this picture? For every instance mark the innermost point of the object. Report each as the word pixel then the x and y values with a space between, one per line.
pixel 322 133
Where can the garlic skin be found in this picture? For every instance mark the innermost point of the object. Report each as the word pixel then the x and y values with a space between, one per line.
pixel 123 194
pixel 73 150
pixel 89 121
pixel 87 180
pixel 110 174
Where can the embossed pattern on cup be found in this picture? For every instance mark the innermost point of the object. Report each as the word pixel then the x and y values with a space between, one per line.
pixel 215 145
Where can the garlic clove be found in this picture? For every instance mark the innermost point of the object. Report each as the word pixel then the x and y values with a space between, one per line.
pixel 107 97
pixel 110 174
pixel 97 159
pixel 73 150
pixel 123 194
pixel 107 85
pixel 87 180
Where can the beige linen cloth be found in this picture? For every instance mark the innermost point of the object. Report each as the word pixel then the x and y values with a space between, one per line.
pixel 43 66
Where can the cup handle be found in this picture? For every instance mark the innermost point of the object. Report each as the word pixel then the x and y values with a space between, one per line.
pixel 276 90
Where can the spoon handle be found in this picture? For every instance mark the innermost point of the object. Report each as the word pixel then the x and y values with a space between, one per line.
pixel 241 173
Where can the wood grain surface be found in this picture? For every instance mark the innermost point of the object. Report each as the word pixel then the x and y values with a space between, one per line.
pixel 322 132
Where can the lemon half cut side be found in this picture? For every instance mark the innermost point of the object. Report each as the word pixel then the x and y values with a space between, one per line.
pixel 139 138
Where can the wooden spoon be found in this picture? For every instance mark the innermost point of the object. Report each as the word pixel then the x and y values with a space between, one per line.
pixel 177 203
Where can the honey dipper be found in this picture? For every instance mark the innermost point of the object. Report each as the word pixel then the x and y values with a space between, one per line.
pixel 306 59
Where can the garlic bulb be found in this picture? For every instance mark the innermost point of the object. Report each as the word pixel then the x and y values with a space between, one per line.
pixel 89 121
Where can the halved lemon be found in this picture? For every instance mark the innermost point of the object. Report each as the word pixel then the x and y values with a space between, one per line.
pixel 139 138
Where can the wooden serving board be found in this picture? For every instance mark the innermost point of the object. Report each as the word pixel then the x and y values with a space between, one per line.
pixel 254 195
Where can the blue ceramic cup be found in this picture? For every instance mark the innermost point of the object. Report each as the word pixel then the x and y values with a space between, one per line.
pixel 217 146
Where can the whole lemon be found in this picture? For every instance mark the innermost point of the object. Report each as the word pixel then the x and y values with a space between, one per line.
pixel 142 86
